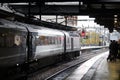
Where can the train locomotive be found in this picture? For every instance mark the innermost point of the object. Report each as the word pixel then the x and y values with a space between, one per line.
pixel 22 43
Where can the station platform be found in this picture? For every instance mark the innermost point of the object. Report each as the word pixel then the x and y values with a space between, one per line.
pixel 97 68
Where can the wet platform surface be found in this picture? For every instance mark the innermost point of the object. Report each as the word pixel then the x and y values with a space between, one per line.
pixel 108 70
pixel 97 68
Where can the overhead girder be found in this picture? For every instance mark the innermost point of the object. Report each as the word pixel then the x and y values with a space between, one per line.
pixel 64 10
pixel 102 15
pixel 105 20
pixel 108 25
pixel 85 1
pixel 102 10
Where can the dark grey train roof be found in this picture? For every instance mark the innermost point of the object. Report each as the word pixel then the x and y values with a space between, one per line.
pixel 32 28
pixel 11 24
pixel 39 29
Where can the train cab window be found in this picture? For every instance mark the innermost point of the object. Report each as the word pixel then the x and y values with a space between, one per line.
pixel 2 40
pixel 9 40
pixel 17 40
pixel 6 40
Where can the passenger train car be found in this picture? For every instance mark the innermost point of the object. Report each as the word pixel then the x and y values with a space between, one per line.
pixel 22 43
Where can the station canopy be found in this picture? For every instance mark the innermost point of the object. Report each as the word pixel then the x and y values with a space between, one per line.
pixel 106 12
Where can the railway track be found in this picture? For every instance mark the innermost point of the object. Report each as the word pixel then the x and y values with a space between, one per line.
pixel 62 70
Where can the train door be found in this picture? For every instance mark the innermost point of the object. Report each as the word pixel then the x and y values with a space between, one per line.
pixel 31 45
pixel 72 45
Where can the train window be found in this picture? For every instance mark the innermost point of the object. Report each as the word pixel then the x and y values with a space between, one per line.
pixel 9 40
pixel 50 40
pixel 23 41
pixel 56 40
pixel 2 39
pixel 60 40
pixel 41 40
pixel 46 40
pixel 17 40
pixel 36 40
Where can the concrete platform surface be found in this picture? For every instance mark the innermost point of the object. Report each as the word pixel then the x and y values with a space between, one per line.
pixel 104 70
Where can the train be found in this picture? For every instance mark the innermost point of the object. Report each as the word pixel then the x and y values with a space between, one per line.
pixel 22 43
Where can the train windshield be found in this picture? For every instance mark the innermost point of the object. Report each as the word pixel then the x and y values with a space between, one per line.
pixel 9 38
